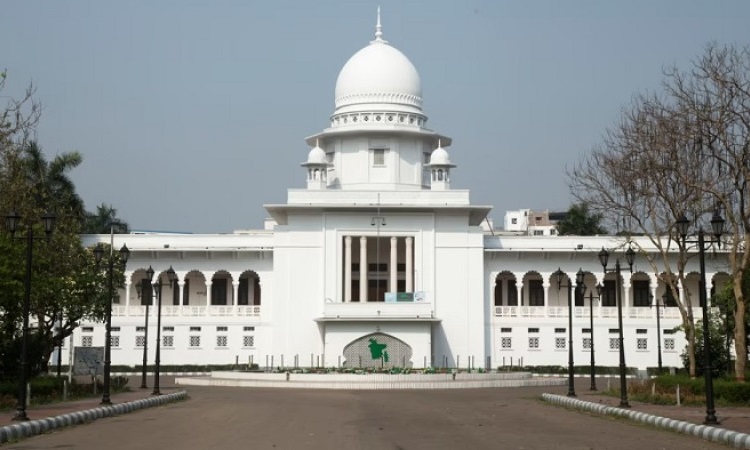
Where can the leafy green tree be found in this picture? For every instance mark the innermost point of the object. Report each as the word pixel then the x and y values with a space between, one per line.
pixel 66 284
pixel 725 300
pixel 717 341
pixel 99 222
pixel 580 221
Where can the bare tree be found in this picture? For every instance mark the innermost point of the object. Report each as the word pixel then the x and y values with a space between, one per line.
pixel 715 97
pixel 684 151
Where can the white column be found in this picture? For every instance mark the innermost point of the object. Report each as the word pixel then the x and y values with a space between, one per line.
pixel 393 285
pixel 519 289
pixel 208 292
pixel 128 283
pixel 363 269
pixel 181 287
pixel 545 288
pixel 626 302
pixel 409 265
pixel 656 303
pixel 236 293
pixel 348 269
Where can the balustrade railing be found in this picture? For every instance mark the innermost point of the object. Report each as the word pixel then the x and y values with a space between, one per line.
pixel 603 312
pixel 189 310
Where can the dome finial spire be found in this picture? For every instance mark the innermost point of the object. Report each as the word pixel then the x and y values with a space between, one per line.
pixel 379 31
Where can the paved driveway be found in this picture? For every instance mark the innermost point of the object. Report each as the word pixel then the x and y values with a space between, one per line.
pixel 242 418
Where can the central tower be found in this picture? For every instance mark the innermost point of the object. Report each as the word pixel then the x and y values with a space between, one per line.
pixel 377 139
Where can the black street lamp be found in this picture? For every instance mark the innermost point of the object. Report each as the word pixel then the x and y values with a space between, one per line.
pixel 171 276
pixel 571 385
pixel 144 293
pixel 603 259
pixel 124 255
pixel 582 288
pixel 12 221
pixel 717 227
pixel 659 308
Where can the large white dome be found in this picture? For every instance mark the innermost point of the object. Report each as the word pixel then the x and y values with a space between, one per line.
pixel 379 74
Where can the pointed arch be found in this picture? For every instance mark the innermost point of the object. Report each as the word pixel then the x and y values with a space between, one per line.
pixel 506 292
pixel 249 291
pixel 221 288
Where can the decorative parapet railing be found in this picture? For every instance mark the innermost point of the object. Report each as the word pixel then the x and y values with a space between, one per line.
pixel 378 311
pixel 603 312
pixel 189 311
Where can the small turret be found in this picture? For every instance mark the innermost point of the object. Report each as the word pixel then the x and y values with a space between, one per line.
pixel 440 165
pixel 317 168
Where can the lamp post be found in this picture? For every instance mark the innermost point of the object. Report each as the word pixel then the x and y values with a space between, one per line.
pixel 12 221
pixel 603 259
pixel 579 282
pixel 58 321
pixel 571 385
pixel 145 295
pixel 171 276
pixel 717 227
pixel 124 255
pixel 658 328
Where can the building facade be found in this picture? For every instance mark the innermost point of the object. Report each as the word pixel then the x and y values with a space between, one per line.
pixel 379 261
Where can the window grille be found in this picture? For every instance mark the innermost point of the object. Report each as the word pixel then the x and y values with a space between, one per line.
pixel 506 343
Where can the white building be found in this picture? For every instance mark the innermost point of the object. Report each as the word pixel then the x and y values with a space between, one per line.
pixel 379 261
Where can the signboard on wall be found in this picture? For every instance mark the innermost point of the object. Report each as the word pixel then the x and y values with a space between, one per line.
pixel 377 350
pixel 405 297
pixel 88 360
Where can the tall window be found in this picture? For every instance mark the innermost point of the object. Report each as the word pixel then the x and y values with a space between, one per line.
pixel 219 291
pixel 512 293
pixel 641 293
pixel 378 157
pixel 175 293
pixel 536 293
pixel 186 292
pixel 146 292
pixel 243 292
pixel 609 293
pixel 668 299
pixel 256 287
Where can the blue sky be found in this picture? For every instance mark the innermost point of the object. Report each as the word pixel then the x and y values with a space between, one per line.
pixel 191 115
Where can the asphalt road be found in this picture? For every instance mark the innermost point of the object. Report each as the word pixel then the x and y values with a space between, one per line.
pixel 242 418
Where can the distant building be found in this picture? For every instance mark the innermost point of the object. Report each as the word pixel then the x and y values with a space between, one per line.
pixel 533 223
